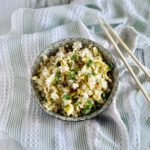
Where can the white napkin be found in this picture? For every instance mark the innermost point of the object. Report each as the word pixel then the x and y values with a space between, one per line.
pixel 122 126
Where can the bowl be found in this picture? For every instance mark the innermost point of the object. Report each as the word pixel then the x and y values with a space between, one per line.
pixel 51 50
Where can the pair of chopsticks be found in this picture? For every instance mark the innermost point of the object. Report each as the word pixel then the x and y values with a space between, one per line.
pixel 110 33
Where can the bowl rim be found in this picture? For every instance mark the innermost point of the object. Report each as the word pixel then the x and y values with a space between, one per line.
pixel 108 101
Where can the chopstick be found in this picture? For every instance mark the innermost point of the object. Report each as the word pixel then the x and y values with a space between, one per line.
pixel 123 59
pixel 126 47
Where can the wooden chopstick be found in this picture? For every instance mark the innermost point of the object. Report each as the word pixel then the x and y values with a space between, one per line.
pixel 126 47
pixel 123 59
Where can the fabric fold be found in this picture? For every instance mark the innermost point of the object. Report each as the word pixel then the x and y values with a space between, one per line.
pixel 125 123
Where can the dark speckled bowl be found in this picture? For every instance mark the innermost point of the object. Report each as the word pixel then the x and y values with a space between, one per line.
pixel 51 50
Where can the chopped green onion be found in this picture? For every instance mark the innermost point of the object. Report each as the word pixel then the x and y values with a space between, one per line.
pixel 93 73
pixel 71 75
pixel 88 107
pixel 111 66
pixel 66 97
pixel 74 57
pixel 57 77
pixel 90 74
pixel 77 103
pixel 89 63
pixel 90 103
pixel 86 111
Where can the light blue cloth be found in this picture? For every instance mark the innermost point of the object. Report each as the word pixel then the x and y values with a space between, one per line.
pixel 124 125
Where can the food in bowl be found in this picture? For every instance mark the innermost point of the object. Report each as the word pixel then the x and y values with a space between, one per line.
pixel 75 81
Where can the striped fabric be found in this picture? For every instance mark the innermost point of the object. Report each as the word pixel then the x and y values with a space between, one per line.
pixel 124 125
